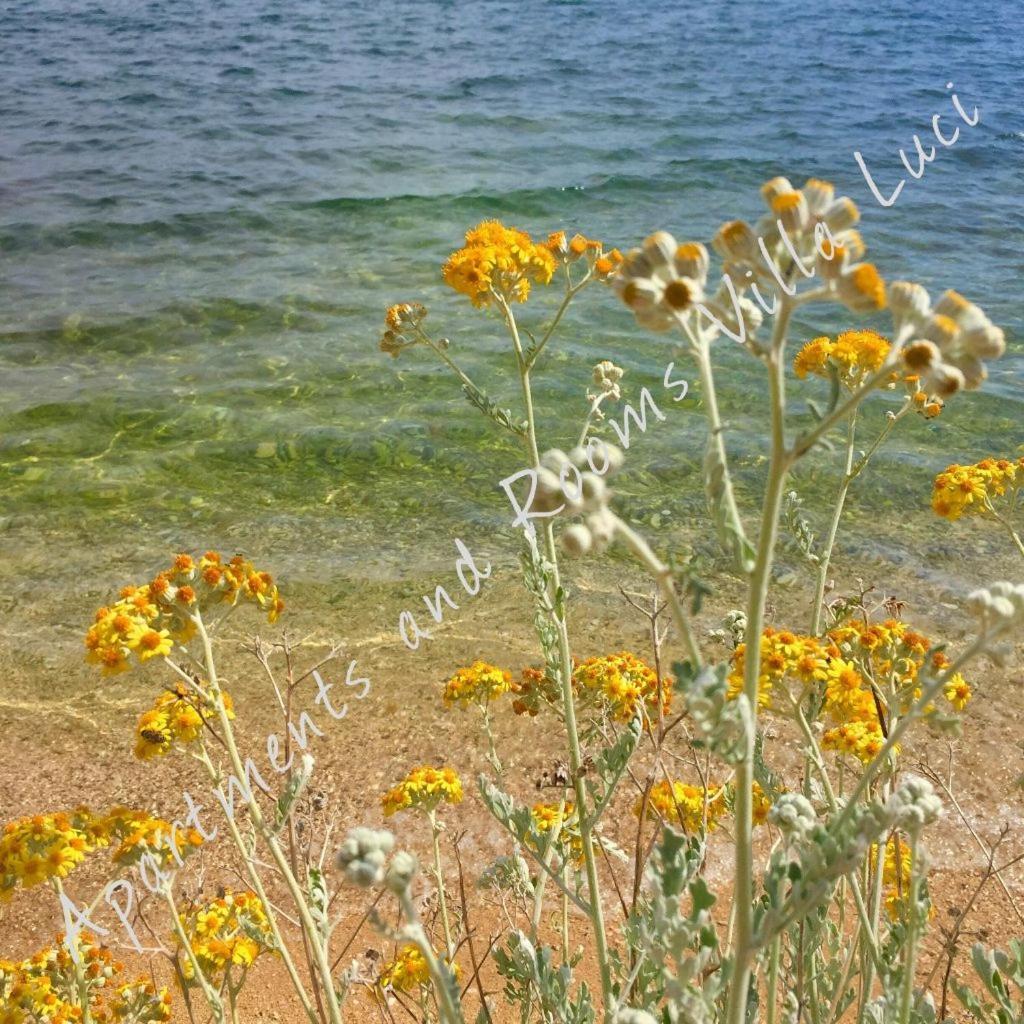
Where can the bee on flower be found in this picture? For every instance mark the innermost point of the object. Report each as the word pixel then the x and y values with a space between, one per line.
pixel 423 789
pixel 178 716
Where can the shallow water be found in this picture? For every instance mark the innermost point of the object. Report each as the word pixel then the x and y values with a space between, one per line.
pixel 204 214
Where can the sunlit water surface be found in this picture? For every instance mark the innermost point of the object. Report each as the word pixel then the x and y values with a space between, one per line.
pixel 203 216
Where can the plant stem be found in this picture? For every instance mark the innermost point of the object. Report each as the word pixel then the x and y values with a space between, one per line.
pixel 568 702
pixel 256 814
pixel 663 577
pixel 743 881
pixel 837 515
pixel 213 998
pixel 907 990
pixel 739 545
pixel 442 899
pixel 449 1012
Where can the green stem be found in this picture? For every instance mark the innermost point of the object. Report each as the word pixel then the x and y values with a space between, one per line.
pixel 442 900
pixel 568 702
pixel 81 984
pixel 907 991
pixel 213 998
pixel 743 881
pixel 450 1013
pixel 739 544
pixel 837 515
pixel 772 995
pixel 217 778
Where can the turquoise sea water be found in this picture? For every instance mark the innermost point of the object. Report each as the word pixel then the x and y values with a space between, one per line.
pixel 205 209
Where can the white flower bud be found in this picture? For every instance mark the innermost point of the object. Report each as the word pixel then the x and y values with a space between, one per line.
pixel 602 528
pixel 913 805
pixel 986 342
pixel 628 1015
pixel 660 248
pixel 401 872
pixel 554 459
pixel 363 854
pixel 577 540
pixel 595 492
pixel 793 815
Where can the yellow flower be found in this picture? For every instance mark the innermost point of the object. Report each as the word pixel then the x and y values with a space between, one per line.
pixel 783 655
pixel 408 971
pixel 549 817
pixel 623 683
pixel 680 803
pixel 957 691
pixel 47 988
pixel 229 932
pixel 813 358
pixel 177 716
pixel 479 683
pixel 853 356
pixel 36 849
pixel 424 789
pixel 497 260
pixel 146 622
pixel 972 490
pixel 897 874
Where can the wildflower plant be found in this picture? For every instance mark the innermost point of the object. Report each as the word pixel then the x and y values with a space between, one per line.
pixel 606 907
pixel 853 688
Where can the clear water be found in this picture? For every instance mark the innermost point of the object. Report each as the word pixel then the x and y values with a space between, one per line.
pixel 204 210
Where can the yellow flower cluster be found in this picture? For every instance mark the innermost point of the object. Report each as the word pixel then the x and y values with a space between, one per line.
pixel 570 250
pixel 34 850
pixel 143 836
pixel 853 355
pixel 762 805
pixel 177 716
pixel 229 932
pixel 897 871
pixel 624 683
pixel 535 689
pixel 970 490
pixel 402 327
pixel 44 989
pixel 408 971
pixel 148 621
pixel 548 817
pixel 423 789
pixel 477 684
pixel 783 655
pixel 841 669
pixel 683 803
pixel 497 260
